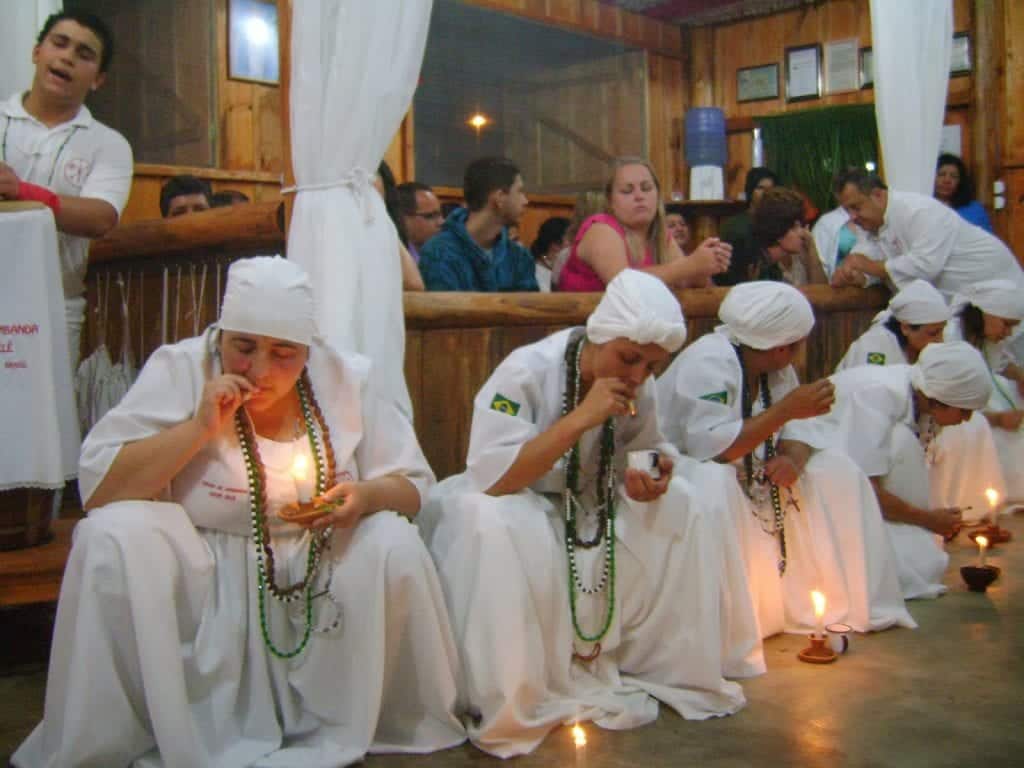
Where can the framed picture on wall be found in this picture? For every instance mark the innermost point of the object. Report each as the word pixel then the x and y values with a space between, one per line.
pixel 841 66
pixel 252 41
pixel 757 83
pixel 960 61
pixel 803 72
pixel 867 68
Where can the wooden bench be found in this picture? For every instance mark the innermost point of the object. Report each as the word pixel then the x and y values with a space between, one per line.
pixel 34 575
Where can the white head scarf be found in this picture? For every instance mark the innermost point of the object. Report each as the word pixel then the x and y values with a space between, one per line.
pixel 638 307
pixel 269 296
pixel 765 315
pixel 1001 298
pixel 953 373
pixel 919 303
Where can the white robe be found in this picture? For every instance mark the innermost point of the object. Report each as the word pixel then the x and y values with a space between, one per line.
pixel 873 419
pixel 503 565
pixel 965 460
pixel 158 625
pixel 836 542
pixel 1009 445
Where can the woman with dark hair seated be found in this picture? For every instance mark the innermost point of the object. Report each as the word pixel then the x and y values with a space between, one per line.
pixel 552 239
pixel 963 462
pixel 737 232
pixel 786 248
pixel 955 187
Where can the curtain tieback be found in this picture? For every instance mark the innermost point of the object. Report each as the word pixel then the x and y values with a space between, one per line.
pixel 359 180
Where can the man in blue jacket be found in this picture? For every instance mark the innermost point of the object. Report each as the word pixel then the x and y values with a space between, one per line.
pixel 473 251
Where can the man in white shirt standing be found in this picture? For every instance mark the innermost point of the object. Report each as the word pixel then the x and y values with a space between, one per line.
pixel 919 238
pixel 54 152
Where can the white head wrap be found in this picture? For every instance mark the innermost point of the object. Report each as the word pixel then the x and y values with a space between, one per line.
pixel 765 315
pixel 953 373
pixel 638 307
pixel 1001 298
pixel 269 296
pixel 919 303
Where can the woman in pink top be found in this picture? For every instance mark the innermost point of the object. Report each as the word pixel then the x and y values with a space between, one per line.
pixel 632 234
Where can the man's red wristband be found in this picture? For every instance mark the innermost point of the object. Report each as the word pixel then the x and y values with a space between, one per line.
pixel 40 194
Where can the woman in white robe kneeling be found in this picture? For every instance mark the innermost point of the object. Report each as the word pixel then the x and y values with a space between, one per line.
pixel 985 315
pixel 195 626
pixel 574 594
pixel 963 462
pixel 807 518
pixel 883 418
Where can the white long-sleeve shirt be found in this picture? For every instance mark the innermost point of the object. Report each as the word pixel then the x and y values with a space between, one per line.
pixel 922 238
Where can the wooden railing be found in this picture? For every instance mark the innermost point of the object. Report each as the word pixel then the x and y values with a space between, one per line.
pixel 453 341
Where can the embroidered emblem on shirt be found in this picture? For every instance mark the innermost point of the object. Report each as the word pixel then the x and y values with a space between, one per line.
pixel 716 397
pixel 75 171
pixel 876 358
pixel 502 404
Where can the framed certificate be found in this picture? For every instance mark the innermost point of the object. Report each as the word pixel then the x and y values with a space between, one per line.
pixel 867 68
pixel 960 61
pixel 252 41
pixel 803 72
pixel 757 83
pixel 841 66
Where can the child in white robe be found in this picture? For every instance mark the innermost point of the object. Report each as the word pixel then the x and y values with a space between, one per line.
pixel 985 315
pixel 170 645
pixel 808 518
pixel 963 461
pixel 878 419
pixel 633 611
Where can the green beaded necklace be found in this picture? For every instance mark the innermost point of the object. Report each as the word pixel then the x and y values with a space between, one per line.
pixel 256 476
pixel 606 488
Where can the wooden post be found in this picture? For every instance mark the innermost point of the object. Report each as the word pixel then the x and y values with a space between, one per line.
pixel 702 66
pixel 284 33
pixel 988 105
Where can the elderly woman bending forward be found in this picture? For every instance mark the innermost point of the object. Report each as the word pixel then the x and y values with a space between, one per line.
pixel 206 629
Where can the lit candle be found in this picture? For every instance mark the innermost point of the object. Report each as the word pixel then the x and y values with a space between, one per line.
pixel 819 612
pixel 993 502
pixel 982 542
pixel 579 736
pixel 303 480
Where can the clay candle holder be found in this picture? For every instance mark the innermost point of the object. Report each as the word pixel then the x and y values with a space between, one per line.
pixel 995 534
pixel 818 652
pixel 979 577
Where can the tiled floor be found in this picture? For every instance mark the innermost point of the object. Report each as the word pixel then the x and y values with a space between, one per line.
pixel 942 695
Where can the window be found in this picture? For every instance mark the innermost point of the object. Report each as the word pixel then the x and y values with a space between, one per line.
pixel 559 104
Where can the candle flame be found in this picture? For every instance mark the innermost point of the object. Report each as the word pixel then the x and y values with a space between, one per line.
pixel 982 541
pixel 819 603
pixel 300 467
pixel 579 736
pixel 478 121
pixel 993 497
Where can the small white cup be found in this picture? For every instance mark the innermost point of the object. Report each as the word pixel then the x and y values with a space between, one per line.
pixel 646 461
pixel 838 637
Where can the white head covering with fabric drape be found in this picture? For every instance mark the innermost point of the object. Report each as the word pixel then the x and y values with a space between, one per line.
pixel 765 315
pixel 953 373
pixel 920 303
pixel 638 307
pixel 269 296
pixel 1001 298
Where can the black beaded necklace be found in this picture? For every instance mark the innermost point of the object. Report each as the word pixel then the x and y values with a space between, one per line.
pixel 606 482
pixel 777 525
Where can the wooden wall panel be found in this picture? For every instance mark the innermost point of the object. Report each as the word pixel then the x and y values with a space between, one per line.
pixel 250 115
pixel 666 89
pixel 763 41
pixel 1013 130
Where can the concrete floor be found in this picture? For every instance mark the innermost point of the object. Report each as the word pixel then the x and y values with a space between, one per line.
pixel 938 696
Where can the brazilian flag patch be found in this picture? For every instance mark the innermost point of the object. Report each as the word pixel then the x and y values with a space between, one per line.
pixel 876 358
pixel 502 404
pixel 716 397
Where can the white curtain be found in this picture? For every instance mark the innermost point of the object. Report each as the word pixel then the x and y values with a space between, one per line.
pixel 912 42
pixel 355 65
pixel 22 20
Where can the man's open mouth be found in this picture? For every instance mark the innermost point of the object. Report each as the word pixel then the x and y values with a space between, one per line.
pixel 62 75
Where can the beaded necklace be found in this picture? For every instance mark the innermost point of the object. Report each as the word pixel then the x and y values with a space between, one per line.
pixel 256 475
pixel 777 523
pixel 605 509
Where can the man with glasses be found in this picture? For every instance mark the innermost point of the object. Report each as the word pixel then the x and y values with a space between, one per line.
pixel 421 214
